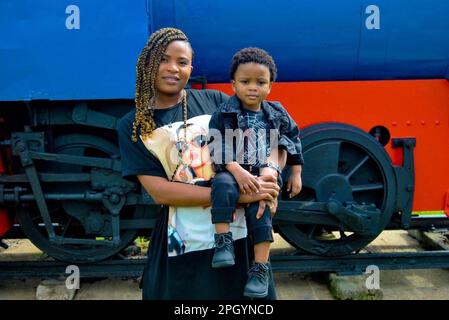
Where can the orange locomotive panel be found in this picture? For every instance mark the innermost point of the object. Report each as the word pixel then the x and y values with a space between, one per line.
pixel 407 108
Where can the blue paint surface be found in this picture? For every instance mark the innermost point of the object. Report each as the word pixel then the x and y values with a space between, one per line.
pixel 41 59
pixel 310 40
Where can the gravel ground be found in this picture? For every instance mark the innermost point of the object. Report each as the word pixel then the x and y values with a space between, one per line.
pixel 395 284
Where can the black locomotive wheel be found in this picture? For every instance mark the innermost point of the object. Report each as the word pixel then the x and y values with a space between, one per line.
pixel 347 164
pixel 64 214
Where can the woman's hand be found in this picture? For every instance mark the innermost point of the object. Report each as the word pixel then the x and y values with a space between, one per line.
pixel 267 171
pixel 254 197
pixel 269 180
pixel 269 191
pixel 273 206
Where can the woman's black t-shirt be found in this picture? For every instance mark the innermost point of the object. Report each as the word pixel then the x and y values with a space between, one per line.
pixel 135 158
pixel 190 275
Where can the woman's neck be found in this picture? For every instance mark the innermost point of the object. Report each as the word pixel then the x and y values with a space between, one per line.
pixel 164 101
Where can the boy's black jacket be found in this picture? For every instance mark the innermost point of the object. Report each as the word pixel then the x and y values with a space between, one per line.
pixel 229 116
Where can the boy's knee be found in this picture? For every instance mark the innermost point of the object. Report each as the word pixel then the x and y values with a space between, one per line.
pixel 225 191
pixel 224 178
pixel 264 220
pixel 224 181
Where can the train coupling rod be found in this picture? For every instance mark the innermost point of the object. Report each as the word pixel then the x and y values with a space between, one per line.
pixel 363 219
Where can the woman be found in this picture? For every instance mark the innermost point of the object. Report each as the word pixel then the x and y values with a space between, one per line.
pixel 153 150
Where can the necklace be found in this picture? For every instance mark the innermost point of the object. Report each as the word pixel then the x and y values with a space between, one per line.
pixel 175 115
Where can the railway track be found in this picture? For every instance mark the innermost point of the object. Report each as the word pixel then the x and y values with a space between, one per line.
pixel 350 264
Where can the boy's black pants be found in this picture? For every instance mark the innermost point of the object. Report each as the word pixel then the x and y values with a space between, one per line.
pixel 225 195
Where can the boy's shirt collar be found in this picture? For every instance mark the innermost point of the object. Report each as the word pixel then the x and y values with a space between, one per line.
pixel 233 105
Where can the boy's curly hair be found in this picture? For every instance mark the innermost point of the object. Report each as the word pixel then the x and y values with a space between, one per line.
pixel 255 55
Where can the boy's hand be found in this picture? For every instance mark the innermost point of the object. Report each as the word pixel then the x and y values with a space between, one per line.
pixel 294 185
pixel 246 181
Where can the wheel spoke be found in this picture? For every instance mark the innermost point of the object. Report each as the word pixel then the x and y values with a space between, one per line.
pixel 323 161
pixel 66 226
pixel 75 151
pixel 311 231
pixel 367 187
pixel 342 234
pixel 38 217
pixel 357 167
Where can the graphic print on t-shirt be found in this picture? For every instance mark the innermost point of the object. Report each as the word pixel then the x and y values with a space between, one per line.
pixel 256 147
pixel 185 156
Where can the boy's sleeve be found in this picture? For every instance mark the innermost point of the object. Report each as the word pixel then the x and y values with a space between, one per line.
pixel 290 141
pixel 215 141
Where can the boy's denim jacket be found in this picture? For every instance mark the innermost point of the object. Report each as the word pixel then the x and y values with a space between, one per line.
pixel 229 116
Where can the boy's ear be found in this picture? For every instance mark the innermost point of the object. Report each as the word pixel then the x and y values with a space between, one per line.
pixel 269 88
pixel 233 85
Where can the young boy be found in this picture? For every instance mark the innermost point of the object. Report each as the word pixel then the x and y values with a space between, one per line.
pixel 248 119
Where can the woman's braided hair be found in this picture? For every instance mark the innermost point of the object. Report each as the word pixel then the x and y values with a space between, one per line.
pixel 146 71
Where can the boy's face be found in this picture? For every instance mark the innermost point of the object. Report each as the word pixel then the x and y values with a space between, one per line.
pixel 252 84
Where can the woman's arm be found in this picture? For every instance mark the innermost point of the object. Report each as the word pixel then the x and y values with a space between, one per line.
pixel 187 195
pixel 174 193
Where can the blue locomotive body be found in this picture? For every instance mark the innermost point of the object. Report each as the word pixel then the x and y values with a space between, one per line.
pixel 73 50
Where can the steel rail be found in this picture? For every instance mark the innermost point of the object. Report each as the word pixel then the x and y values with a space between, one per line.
pixel 350 264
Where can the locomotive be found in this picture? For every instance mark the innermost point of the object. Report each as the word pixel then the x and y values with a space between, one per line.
pixel 365 81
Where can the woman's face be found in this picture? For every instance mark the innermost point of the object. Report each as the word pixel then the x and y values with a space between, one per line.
pixel 175 68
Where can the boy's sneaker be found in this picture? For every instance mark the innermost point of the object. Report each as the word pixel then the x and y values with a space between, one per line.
pixel 224 251
pixel 258 280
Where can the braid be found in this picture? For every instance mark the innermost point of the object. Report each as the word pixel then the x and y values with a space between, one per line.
pixel 146 72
